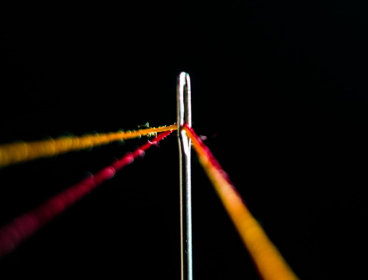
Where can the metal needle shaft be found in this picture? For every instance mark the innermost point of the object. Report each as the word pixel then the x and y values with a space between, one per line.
pixel 184 116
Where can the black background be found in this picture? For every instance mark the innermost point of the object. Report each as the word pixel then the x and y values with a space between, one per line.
pixel 279 89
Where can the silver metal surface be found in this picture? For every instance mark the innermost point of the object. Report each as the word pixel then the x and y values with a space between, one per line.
pixel 184 116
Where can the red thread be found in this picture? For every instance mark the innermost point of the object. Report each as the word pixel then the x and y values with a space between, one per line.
pixel 209 154
pixel 21 228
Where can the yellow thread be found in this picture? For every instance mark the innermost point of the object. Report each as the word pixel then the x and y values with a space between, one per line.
pixel 270 264
pixel 22 151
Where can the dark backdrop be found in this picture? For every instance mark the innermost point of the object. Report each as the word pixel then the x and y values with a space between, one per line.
pixel 279 89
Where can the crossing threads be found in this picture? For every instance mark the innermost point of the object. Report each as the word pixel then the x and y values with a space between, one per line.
pixel 267 258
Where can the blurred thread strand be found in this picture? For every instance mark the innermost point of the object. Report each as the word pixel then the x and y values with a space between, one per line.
pixel 268 260
pixel 26 151
pixel 14 233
